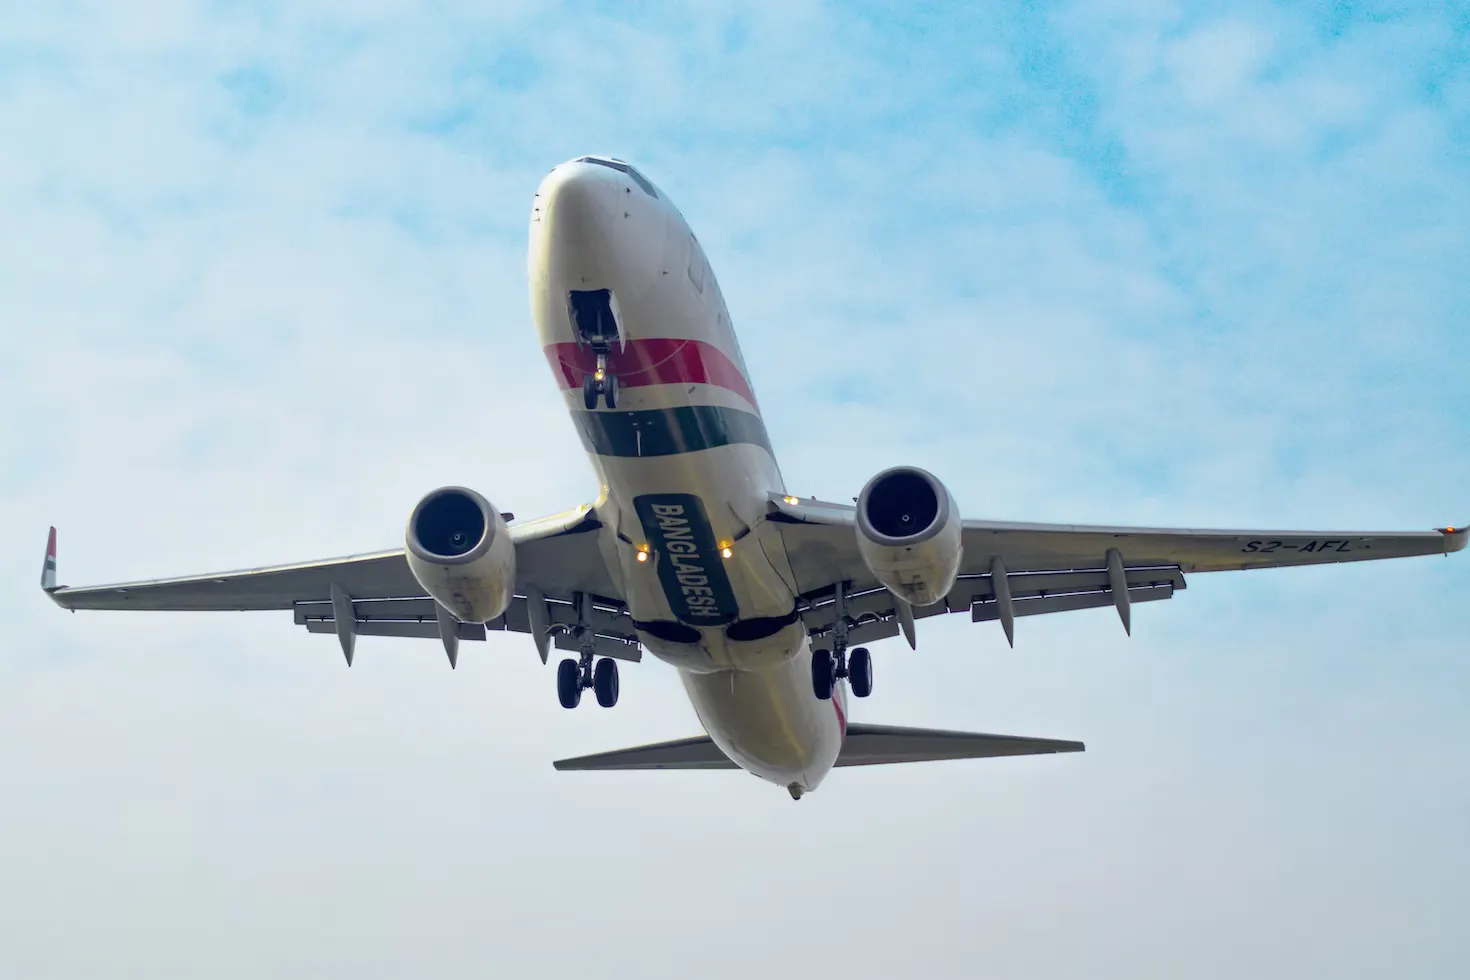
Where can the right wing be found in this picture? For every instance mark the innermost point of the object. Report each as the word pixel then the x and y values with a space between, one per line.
pixel 1052 568
pixel 558 561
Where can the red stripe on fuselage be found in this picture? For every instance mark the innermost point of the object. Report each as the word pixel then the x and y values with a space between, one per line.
pixel 655 361
pixel 841 718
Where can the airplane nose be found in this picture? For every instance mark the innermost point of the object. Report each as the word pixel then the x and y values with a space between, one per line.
pixel 593 227
pixel 577 203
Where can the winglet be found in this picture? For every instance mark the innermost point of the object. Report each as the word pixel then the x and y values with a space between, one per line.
pixel 1454 537
pixel 48 568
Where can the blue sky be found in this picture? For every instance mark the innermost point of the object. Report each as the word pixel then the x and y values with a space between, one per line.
pixel 262 286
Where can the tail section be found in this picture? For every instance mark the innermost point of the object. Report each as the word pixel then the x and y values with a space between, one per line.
pixel 866 745
pixel 48 568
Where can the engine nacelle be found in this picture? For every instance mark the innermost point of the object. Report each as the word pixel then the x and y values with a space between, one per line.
pixel 460 551
pixel 908 532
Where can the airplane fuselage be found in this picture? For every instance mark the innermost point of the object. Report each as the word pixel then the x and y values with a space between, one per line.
pixel 619 281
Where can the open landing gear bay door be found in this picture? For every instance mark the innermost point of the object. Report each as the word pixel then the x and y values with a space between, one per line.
pixel 866 745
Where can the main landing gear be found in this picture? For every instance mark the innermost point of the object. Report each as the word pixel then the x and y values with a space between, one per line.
pixel 829 665
pixel 573 676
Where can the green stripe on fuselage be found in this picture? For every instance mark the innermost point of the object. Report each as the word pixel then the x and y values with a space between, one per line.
pixel 669 431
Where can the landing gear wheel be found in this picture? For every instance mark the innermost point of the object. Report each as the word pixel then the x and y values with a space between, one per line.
pixel 589 392
pixel 860 672
pixel 569 683
pixel 605 682
pixel 610 391
pixel 822 674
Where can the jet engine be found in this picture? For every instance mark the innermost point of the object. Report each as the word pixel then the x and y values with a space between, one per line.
pixel 460 551
pixel 908 532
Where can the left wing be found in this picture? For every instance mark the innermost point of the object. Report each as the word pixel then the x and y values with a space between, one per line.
pixel 558 563
pixel 1056 567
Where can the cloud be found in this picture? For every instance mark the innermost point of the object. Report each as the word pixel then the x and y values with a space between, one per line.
pixel 263 287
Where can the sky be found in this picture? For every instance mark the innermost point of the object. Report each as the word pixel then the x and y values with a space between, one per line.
pixel 262 286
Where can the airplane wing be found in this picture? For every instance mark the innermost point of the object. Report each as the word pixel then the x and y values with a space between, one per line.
pixel 558 561
pixel 1048 568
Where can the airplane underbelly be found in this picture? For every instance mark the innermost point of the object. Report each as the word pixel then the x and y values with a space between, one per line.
pixel 699 581
pixel 769 724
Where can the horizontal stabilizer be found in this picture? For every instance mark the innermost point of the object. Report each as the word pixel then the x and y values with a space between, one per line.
pixel 866 745
pixel 684 753
pixel 876 745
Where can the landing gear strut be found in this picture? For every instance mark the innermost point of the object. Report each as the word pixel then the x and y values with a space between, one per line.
pixel 592 315
pixel 600 383
pixel 829 665
pixel 573 676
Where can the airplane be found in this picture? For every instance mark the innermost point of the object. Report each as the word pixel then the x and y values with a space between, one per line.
pixel 695 550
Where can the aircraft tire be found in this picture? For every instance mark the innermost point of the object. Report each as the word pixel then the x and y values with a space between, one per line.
pixel 569 683
pixel 860 672
pixel 605 681
pixel 822 674
pixel 610 391
pixel 589 392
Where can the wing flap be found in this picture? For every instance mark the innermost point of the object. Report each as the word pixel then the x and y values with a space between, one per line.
pixel 1033 593
pixel 986 610
pixel 613 633
pixel 427 630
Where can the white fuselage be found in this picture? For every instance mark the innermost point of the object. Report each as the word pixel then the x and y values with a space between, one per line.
pixel 684 460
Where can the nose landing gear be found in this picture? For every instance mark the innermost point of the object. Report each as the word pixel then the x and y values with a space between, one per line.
pixel 829 665
pixel 594 317
pixel 600 383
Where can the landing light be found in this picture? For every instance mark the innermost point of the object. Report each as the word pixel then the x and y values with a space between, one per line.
pixel 643 556
pixel 726 552
pixel 793 501
pixel 597 375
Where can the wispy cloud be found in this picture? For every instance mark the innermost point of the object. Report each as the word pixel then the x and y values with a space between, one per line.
pixel 262 285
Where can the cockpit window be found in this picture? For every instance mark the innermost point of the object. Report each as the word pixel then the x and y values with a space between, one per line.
pixel 619 165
